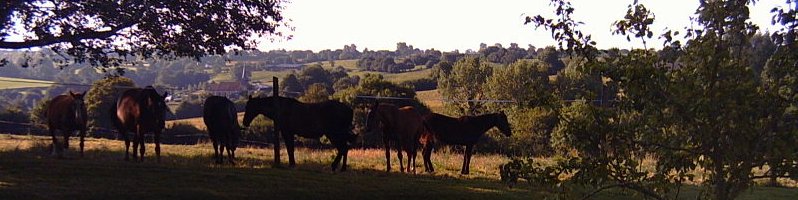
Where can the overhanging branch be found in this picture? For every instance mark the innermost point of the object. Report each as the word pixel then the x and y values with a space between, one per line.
pixel 64 38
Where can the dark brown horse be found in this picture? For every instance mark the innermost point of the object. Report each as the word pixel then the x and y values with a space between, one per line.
pixel 403 125
pixel 309 120
pixel 465 130
pixel 141 110
pixel 67 113
pixel 220 117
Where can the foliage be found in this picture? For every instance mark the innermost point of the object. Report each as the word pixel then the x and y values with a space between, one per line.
pixel 314 94
pixel 697 106
pixel 101 100
pixel 464 84
pixel 38 115
pixel 104 32
pixel 13 113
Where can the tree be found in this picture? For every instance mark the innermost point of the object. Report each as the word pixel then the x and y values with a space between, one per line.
pixel 101 100
pixel 104 32
pixel 699 107
pixel 315 93
pixel 465 85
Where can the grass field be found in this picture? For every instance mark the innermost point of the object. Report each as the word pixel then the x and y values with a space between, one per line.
pixel 17 83
pixel 350 65
pixel 432 98
pixel 27 171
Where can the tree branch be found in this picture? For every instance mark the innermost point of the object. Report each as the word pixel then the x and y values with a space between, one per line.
pixel 64 38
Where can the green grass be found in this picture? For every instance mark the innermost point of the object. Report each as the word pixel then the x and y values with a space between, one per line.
pixel 17 83
pixel 27 171
pixel 186 172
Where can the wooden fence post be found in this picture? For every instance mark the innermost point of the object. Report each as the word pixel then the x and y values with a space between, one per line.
pixel 277 120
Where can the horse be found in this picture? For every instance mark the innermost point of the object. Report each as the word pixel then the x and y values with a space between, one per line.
pixel 141 110
pixel 219 115
pixel 67 112
pixel 309 120
pixel 464 130
pixel 404 125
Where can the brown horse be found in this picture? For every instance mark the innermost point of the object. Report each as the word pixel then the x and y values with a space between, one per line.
pixel 309 120
pixel 465 130
pixel 141 110
pixel 219 115
pixel 67 112
pixel 404 125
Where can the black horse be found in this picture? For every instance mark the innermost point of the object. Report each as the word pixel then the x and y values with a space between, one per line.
pixel 465 130
pixel 67 113
pixel 219 115
pixel 141 110
pixel 309 120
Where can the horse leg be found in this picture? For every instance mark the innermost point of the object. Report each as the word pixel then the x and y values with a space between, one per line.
pixel 82 140
pixel 157 146
pixel 135 146
pixel 346 153
pixel 215 151
pixel 426 155
pixel 467 158
pixel 340 146
pixel 54 151
pixel 387 152
pixel 127 143
pixel 231 154
pixel 140 140
pixel 66 139
pixel 288 139
pixel 399 149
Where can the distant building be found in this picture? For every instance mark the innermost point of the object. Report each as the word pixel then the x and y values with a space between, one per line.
pixel 229 89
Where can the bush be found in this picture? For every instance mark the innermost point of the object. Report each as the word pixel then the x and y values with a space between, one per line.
pixel 182 133
pixel 14 114
pixel 261 130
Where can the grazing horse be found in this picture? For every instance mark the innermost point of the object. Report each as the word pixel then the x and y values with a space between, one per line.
pixel 404 125
pixel 309 120
pixel 67 112
pixel 465 130
pixel 141 110
pixel 219 115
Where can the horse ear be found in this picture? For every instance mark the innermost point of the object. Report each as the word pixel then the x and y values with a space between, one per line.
pixel 249 96
pixel 165 94
pixel 71 93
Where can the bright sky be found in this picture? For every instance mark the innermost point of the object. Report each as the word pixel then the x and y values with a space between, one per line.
pixel 464 24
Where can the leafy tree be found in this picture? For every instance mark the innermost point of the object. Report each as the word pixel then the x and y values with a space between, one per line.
pixel 103 32
pixel 465 84
pixel 699 107
pixel 101 100
pixel 315 93
pixel 290 86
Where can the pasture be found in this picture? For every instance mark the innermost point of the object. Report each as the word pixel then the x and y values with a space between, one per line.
pixel 27 171
pixel 18 83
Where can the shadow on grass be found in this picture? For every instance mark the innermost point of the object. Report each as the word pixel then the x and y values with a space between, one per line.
pixel 103 174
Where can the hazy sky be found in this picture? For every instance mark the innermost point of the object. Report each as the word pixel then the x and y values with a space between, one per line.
pixel 463 24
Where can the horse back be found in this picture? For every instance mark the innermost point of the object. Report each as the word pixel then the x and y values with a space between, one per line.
pixel 61 114
pixel 315 119
pixel 219 115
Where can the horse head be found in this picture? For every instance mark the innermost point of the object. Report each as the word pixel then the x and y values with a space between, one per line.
pixel 258 106
pixel 372 117
pixel 79 106
pixel 156 103
pixel 503 125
